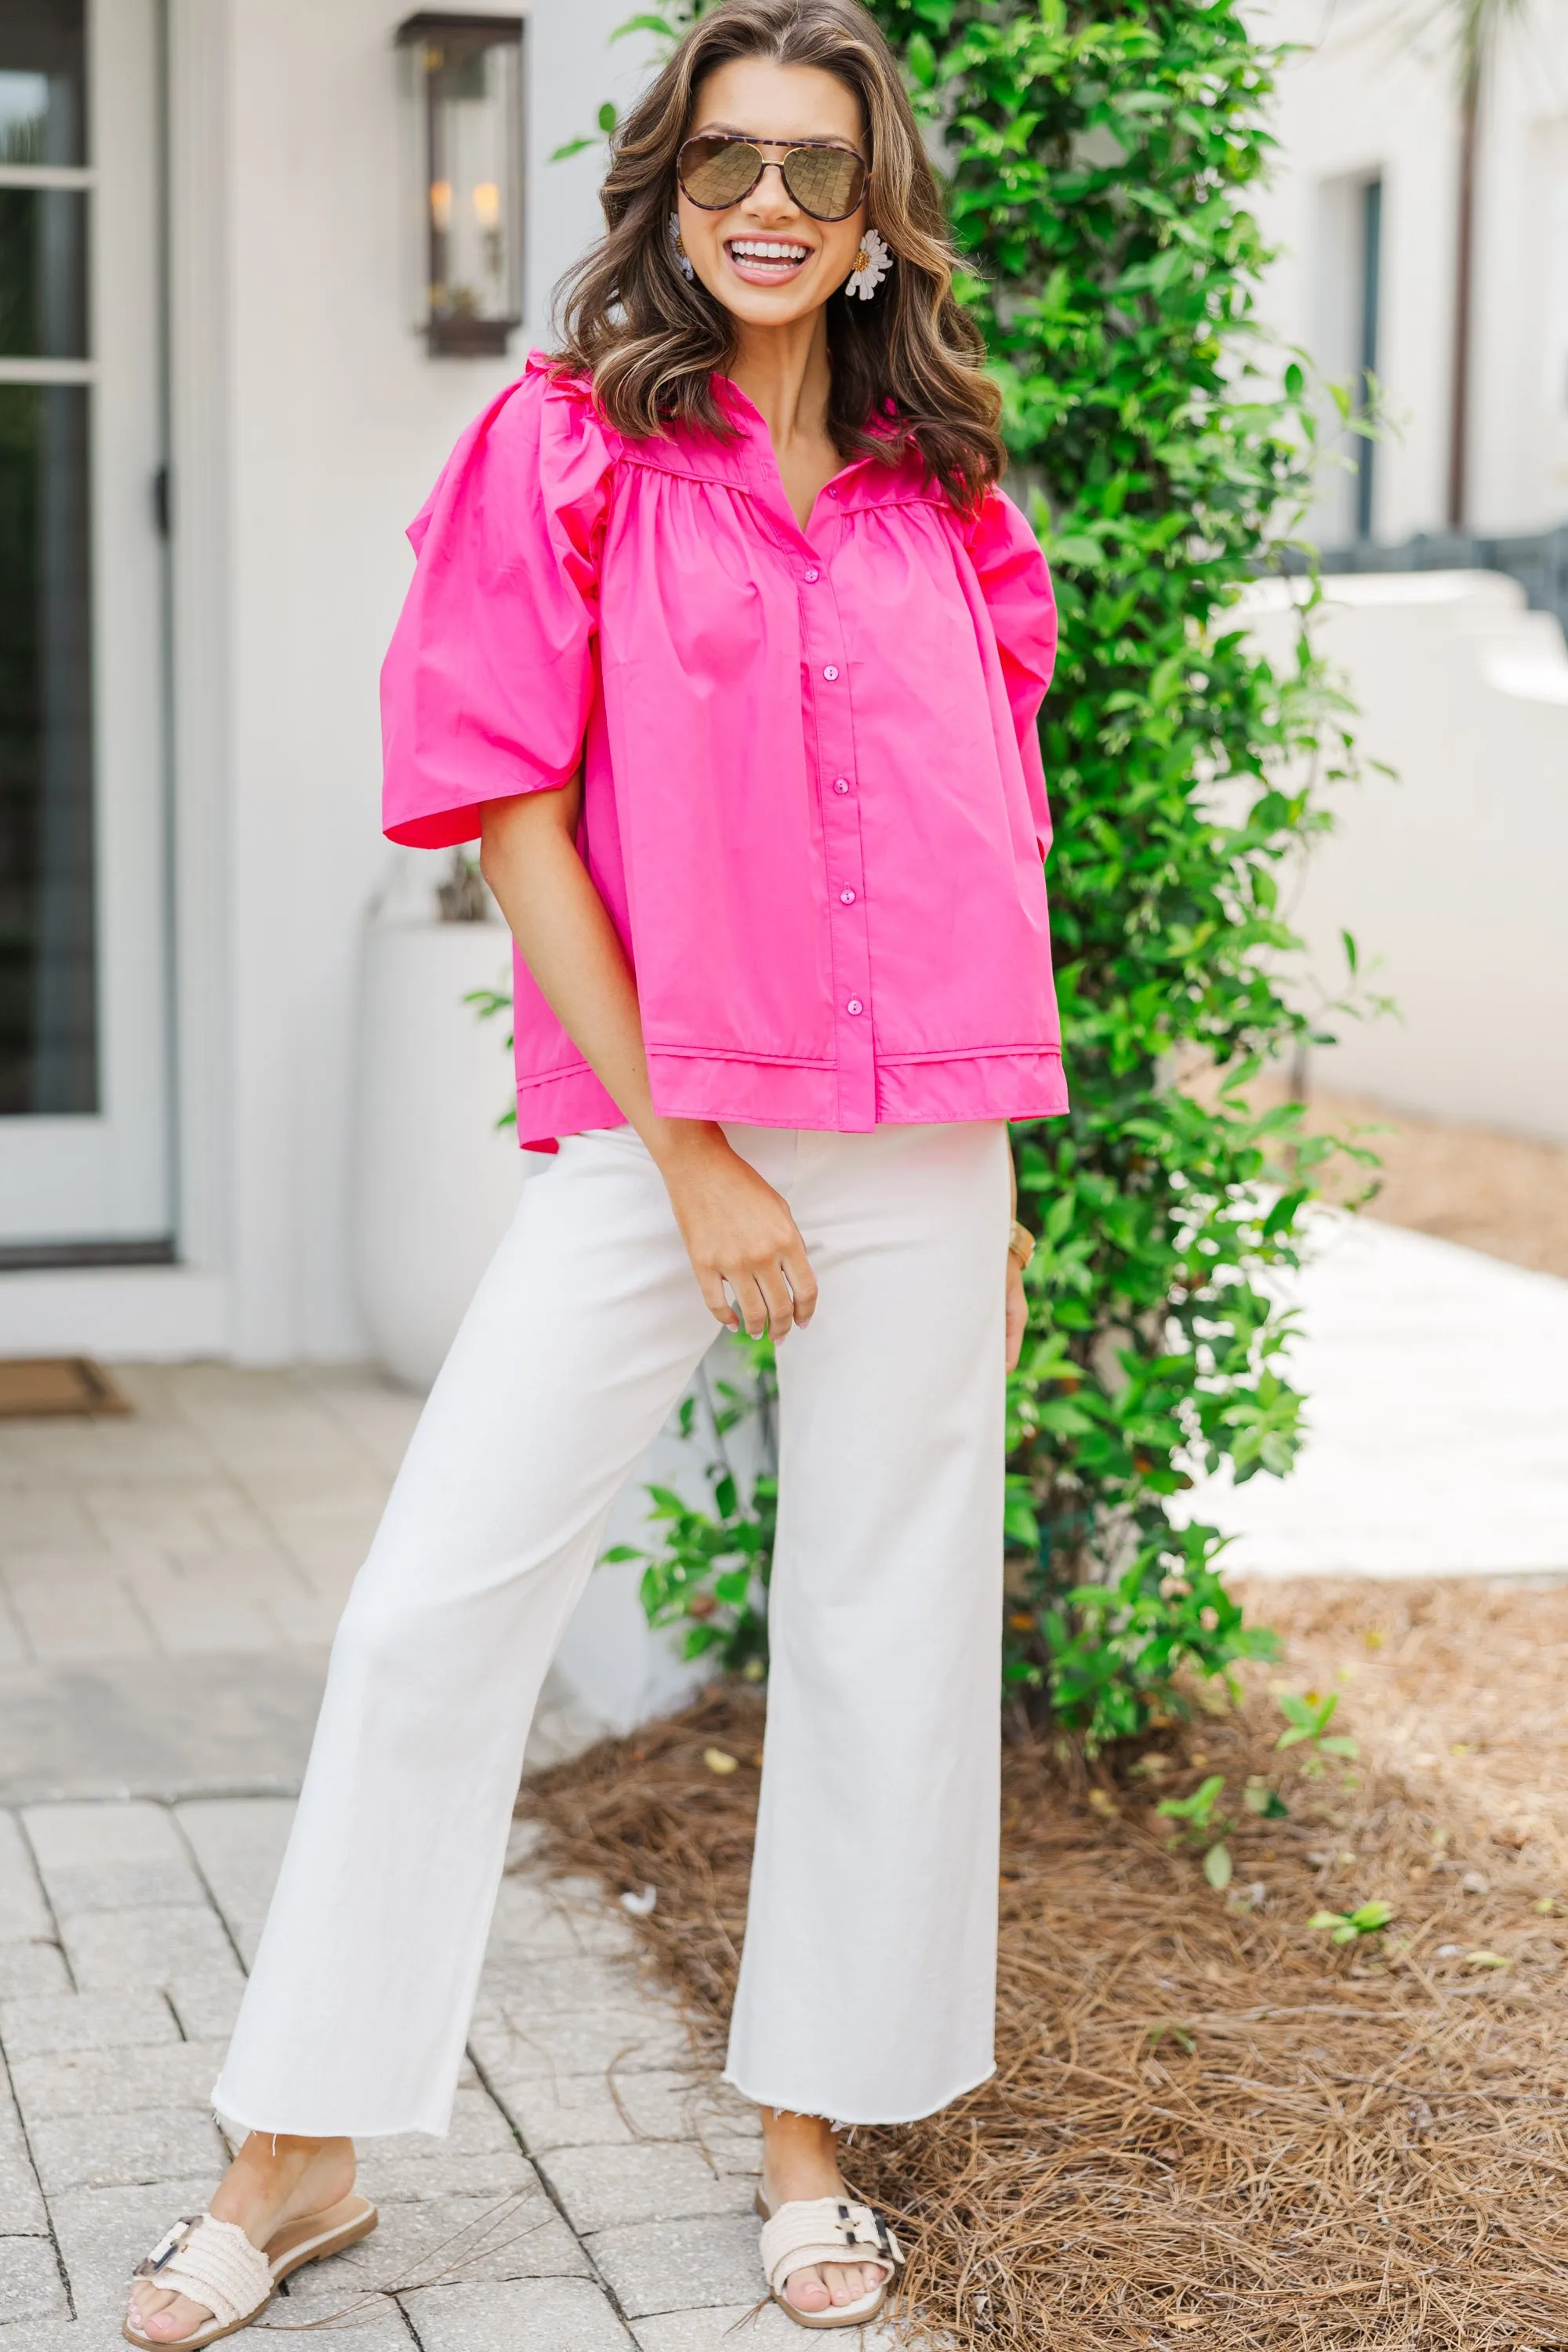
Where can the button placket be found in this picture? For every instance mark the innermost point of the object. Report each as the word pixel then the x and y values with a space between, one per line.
pixel 838 798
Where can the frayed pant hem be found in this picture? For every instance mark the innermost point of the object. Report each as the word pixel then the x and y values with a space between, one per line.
pixel 236 2126
pixel 842 2123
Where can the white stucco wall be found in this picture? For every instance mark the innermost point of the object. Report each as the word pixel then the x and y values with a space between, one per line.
pixel 1372 90
pixel 1448 857
pixel 339 422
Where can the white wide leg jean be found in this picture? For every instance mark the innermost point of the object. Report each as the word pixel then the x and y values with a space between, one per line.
pixel 866 1988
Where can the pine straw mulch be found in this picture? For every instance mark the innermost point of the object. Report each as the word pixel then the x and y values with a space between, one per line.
pixel 1207 2126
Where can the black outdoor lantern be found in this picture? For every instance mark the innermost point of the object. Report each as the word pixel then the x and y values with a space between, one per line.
pixel 468 102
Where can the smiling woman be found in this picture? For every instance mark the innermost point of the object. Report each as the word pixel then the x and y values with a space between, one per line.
pixel 725 644
pixel 784 126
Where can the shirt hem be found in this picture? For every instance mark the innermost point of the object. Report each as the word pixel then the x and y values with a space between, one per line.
pixel 1026 1082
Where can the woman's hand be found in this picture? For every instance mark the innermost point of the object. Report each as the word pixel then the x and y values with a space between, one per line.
pixel 739 1230
pixel 1017 1312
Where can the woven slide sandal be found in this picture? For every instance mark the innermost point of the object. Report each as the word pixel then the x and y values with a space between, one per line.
pixel 214 2263
pixel 811 2230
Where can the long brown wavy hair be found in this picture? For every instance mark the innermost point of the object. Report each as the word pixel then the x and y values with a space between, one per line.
pixel 650 340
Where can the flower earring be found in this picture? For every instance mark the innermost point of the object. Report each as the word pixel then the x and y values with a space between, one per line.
pixel 682 256
pixel 872 264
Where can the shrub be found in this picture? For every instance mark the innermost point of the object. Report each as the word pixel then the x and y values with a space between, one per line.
pixel 1099 161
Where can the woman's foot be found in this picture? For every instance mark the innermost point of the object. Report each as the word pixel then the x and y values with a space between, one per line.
pixel 800 2158
pixel 273 2180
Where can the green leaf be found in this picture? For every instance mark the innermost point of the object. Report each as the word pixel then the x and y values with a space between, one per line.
pixel 1217 1867
pixel 1266 1802
pixel 919 59
pixel 660 26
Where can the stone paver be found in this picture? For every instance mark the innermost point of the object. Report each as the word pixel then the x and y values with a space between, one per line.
pixel 523 2315
pixel 92 1858
pixel 513 2042
pixel 371 2323
pixel 429 2241
pixel 664 2104
pixel 122 2150
pixel 238 1845
pixel 23 1910
pixel 600 2188
pixel 206 2006
pixel 655 2266
pixel 107 2021
pixel 22 2211
pixel 741 2327
pixel 30 2283
pixel 118 2081
pixel 154 1946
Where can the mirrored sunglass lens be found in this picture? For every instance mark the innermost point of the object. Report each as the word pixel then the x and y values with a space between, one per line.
pixel 825 181
pixel 718 171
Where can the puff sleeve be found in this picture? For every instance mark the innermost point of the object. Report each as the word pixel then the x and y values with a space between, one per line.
pixel 1016 586
pixel 486 684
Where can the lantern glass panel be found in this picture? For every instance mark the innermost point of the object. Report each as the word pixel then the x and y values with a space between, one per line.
pixel 469 91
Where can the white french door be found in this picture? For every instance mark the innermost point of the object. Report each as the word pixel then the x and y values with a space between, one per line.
pixel 84 917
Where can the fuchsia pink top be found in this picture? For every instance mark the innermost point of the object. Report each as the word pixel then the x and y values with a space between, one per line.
pixel 813 800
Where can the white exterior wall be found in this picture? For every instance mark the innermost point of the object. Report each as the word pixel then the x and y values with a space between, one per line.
pixel 308 423
pixel 340 422
pixel 1374 92
pixel 1448 859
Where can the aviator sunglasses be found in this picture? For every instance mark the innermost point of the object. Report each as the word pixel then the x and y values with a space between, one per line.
pixel 718 169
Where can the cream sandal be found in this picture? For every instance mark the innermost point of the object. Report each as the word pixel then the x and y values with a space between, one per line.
pixel 811 2230
pixel 214 2263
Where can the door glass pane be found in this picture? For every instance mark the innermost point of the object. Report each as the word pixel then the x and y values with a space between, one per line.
pixel 49 1046
pixel 43 111
pixel 47 1012
pixel 43 273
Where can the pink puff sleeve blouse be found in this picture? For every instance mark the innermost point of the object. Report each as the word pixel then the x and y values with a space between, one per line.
pixel 813 800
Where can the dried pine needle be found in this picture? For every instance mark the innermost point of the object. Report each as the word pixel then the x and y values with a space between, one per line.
pixel 1205 2118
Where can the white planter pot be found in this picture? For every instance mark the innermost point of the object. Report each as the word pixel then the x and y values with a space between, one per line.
pixel 436 1180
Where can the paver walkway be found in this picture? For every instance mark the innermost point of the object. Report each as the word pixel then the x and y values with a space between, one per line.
pixel 595 2193
pixel 1436 1387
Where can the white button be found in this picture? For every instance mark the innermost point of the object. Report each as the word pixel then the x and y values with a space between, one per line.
pixel 830 671
pixel 856 1005
pixel 847 897
pixel 832 491
pixel 814 574
pixel 840 783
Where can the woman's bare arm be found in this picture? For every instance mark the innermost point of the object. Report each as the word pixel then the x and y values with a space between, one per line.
pixel 736 1228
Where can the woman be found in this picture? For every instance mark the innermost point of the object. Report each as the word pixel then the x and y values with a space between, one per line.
pixel 725 644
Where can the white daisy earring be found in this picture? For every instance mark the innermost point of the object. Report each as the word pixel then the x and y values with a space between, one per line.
pixel 872 264
pixel 681 255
